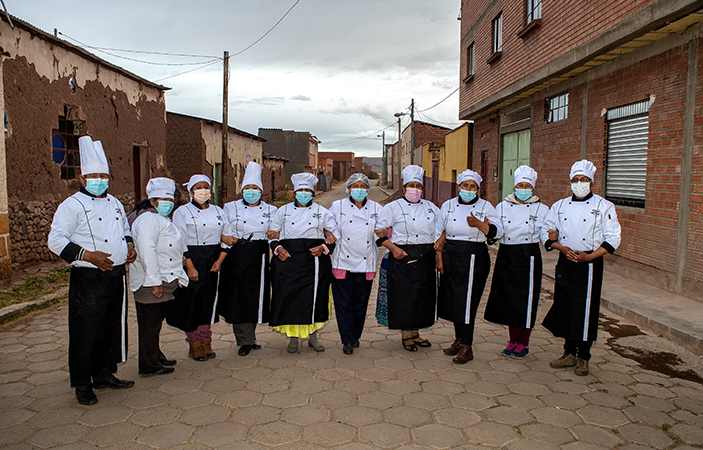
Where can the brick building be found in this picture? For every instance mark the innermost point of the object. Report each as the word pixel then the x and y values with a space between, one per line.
pixel 299 147
pixel 620 88
pixel 342 164
pixel 442 163
pixel 51 93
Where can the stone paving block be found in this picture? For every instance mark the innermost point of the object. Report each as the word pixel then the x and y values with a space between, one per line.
pixel 332 399
pixel 645 435
pixel 400 387
pixel 417 375
pixel 18 416
pixel 221 385
pixel 509 365
pixel 606 399
pixel 293 373
pixel 688 433
pixel 537 376
pixel 456 417
pixel 394 363
pixel 595 435
pixel 305 415
pixel 442 387
pixel 427 400
pixel 16 434
pixel 607 376
pixel 487 388
pixel 355 386
pixel 524 402
pixel 221 434
pixel 689 404
pixel 525 388
pixel 694 391
pixel 204 415
pixel 157 415
pixel 196 398
pixel 562 400
pixel 329 434
pixel 437 436
pixel 614 389
pixel 355 446
pixel 652 403
pixel 275 362
pixel 602 416
pixel 137 400
pixel 375 374
pixel 175 387
pixel 336 374
pixel 647 416
pixel 315 363
pixel 252 373
pixel 472 401
pixel 210 373
pixel 407 416
pixel 582 446
pixel 255 415
pixel 380 400
pixel 384 435
pixel 162 436
pixel 311 385
pixel 495 434
pixel 19 401
pixel 12 389
pixel 547 433
pixel 556 416
pixel 275 433
pixel 458 376
pixel 357 415
pixel 267 385
pixel 354 363
pixel 509 415
pixel 47 366
pixel 60 435
pixel 567 387
pixel 50 389
pixel 687 417
pixel 117 433
pixel 96 417
pixel 433 365
pixel 11 377
pixel 529 444
pixel 652 390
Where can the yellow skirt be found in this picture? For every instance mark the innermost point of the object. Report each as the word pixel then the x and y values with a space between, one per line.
pixel 302 331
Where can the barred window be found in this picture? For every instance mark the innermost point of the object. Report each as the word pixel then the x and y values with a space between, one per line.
pixel 556 108
pixel 533 10
pixel 64 147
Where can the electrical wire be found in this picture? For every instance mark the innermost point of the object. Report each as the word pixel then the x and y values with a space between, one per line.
pixel 187 71
pixel 441 101
pixel 344 142
pixel 453 124
pixel 270 30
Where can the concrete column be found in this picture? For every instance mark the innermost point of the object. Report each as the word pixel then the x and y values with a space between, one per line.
pixel 686 162
pixel 5 261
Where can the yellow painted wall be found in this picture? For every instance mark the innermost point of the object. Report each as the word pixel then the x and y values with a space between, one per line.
pixel 452 155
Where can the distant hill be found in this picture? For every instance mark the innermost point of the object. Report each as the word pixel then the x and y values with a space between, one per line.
pixel 375 163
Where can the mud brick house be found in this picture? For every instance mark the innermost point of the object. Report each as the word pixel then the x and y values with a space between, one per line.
pixel 617 82
pixel 194 146
pixel 51 93
pixel 299 147
pixel 273 176
pixel 342 164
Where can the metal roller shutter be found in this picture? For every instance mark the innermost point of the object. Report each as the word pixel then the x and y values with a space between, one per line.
pixel 626 170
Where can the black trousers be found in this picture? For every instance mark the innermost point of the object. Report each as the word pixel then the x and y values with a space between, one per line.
pixel 150 317
pixel 582 349
pixel 351 299
pixel 465 331
pixel 245 333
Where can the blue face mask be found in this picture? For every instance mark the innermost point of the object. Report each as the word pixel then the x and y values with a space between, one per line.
pixel 359 194
pixel 165 207
pixel 523 194
pixel 467 196
pixel 96 186
pixel 251 196
pixel 303 197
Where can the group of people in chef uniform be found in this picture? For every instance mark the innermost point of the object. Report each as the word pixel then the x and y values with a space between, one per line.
pixel 252 263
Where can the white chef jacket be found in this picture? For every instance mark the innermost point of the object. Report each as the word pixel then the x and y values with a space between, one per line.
pixel 94 224
pixel 356 246
pixel 412 223
pixel 522 222
pixel 305 222
pixel 245 220
pixel 584 225
pixel 453 219
pixel 201 226
pixel 160 249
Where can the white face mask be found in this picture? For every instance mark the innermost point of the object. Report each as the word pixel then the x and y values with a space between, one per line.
pixel 201 195
pixel 581 189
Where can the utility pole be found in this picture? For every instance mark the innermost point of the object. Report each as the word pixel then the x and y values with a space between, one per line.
pixel 225 132
pixel 412 131
pixel 385 160
pixel 400 163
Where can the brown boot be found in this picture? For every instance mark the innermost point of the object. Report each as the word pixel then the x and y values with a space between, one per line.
pixel 564 361
pixel 581 368
pixel 464 355
pixel 207 347
pixel 197 352
pixel 454 348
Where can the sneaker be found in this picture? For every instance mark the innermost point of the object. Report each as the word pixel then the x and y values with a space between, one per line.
pixel 564 361
pixel 520 351
pixel 508 351
pixel 581 368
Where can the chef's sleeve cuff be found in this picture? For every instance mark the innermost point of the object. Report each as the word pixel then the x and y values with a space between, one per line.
pixel 608 247
pixel 72 252
pixel 548 245
pixel 492 231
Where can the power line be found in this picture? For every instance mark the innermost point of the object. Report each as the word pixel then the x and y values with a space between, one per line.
pixel 344 142
pixel 441 101
pixel 438 121
pixel 270 30
pixel 187 71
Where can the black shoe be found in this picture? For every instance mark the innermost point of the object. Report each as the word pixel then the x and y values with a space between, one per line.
pixel 348 349
pixel 244 350
pixel 256 345
pixel 162 371
pixel 86 396
pixel 169 362
pixel 355 344
pixel 112 382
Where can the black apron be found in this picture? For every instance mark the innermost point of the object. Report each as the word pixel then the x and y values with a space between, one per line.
pixel 577 288
pixel 516 285
pixel 412 288
pixel 97 322
pixel 454 303
pixel 294 300
pixel 194 305
pixel 245 285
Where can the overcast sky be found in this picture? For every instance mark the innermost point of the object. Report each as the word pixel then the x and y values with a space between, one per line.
pixel 339 69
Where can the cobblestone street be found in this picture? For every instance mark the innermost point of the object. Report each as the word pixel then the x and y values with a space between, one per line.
pixel 381 397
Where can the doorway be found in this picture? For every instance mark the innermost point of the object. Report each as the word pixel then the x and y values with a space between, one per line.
pixel 516 152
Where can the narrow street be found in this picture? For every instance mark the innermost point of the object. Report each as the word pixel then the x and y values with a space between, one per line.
pixel 381 397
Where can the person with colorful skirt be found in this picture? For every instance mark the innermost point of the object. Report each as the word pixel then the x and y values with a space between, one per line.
pixel 468 223
pixel 354 259
pixel 409 228
pixel 194 308
pixel 156 273
pixel 301 271
pixel 517 275
pixel 245 284
pixel 583 228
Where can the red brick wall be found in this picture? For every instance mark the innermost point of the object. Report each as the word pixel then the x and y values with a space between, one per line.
pixel 185 150
pixel 694 263
pixel 425 133
pixel 337 156
pixel 486 139
pixel 566 24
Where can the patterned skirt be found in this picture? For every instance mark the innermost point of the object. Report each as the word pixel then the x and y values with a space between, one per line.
pixel 382 298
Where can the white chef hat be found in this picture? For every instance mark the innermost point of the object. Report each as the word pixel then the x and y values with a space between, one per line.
pixel 252 175
pixel 583 167
pixel 160 188
pixel 358 177
pixel 195 179
pixel 469 174
pixel 303 180
pixel 525 174
pixel 412 173
pixel 93 158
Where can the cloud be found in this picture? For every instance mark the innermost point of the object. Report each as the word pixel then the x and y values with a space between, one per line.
pixel 302 98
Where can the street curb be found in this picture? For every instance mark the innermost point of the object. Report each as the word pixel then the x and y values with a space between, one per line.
pixel 18 308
